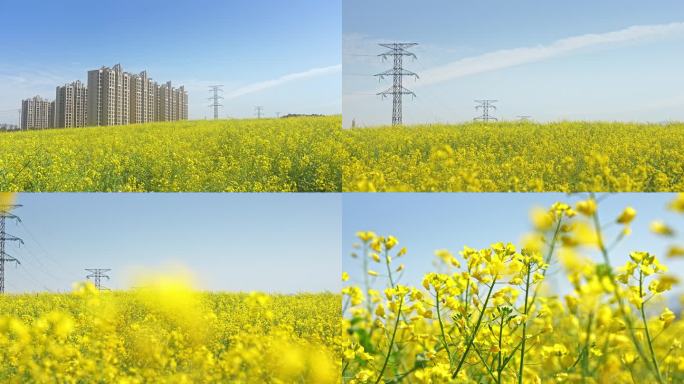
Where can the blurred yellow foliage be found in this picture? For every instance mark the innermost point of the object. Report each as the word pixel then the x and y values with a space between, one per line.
pixel 164 332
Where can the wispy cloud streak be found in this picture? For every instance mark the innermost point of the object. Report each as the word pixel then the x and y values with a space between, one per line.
pixel 506 58
pixel 263 85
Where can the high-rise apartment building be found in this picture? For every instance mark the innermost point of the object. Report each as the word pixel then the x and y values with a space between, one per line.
pixel 109 96
pixel 143 98
pixel 71 105
pixel 172 103
pixel 116 97
pixel 182 104
pixel 37 113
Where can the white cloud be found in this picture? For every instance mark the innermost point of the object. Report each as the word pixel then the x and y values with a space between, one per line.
pixel 260 86
pixel 506 58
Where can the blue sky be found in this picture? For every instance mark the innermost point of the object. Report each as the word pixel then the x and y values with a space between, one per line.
pixel 286 54
pixel 237 242
pixel 607 60
pixel 429 221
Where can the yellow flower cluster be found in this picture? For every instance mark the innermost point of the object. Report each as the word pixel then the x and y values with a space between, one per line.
pixel 290 155
pixel 489 315
pixel 564 157
pixel 169 334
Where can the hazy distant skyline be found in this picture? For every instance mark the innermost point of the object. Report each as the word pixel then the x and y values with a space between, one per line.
pixel 275 242
pixel 580 60
pixel 283 56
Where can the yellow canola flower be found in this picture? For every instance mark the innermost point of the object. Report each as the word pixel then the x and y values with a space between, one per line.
pixel 458 325
pixel 298 154
pixel 117 338
pixel 667 317
pixel 660 228
pixel 677 204
pixel 541 218
pixel 586 207
pixel 390 242
pixel 675 251
pixel 508 157
pixel 447 257
pixel 627 215
pixel 366 236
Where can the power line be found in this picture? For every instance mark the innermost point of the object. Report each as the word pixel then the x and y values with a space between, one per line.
pixel 258 110
pixel 216 99
pixel 485 106
pixel 397 51
pixel 47 254
pixel 97 274
pixel 5 213
pixel 35 280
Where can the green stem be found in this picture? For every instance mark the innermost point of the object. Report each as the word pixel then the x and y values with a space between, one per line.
pixel 585 358
pixel 524 330
pixel 499 367
pixel 389 270
pixel 648 334
pixel 394 334
pixel 547 258
pixel 618 296
pixel 441 327
pixel 366 283
pixel 471 339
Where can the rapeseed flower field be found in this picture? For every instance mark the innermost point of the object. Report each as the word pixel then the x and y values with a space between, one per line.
pixel 300 154
pixel 165 332
pixel 487 316
pixel 514 156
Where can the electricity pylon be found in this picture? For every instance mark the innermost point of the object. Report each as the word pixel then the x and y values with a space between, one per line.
pixel 97 274
pixel 485 105
pixel 258 110
pixel 216 99
pixel 397 51
pixel 5 213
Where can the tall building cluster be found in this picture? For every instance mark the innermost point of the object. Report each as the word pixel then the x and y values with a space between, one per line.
pixel 71 105
pixel 111 97
pixel 37 113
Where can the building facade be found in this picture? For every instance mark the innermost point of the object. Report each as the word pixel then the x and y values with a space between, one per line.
pixel 172 103
pixel 116 97
pixel 71 105
pixel 37 113
pixel 143 99
pixel 109 96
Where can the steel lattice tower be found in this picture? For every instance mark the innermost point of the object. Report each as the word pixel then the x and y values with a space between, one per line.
pixel 215 98
pixel 485 105
pixel 258 111
pixel 5 213
pixel 397 51
pixel 97 274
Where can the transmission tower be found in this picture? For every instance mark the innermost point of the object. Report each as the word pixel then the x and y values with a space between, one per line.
pixel 485 106
pixel 97 274
pixel 397 51
pixel 216 99
pixel 258 110
pixel 524 118
pixel 5 213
